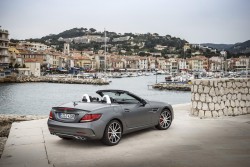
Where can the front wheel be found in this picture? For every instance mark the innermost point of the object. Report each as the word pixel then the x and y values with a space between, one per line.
pixel 165 120
pixel 113 133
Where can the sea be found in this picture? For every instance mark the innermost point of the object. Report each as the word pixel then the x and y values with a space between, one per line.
pixel 39 98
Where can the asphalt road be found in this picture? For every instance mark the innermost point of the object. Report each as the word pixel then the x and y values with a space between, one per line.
pixel 190 142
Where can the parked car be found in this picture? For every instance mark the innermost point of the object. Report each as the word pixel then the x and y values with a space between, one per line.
pixel 108 117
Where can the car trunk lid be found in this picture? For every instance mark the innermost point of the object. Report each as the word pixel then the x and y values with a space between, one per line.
pixel 68 115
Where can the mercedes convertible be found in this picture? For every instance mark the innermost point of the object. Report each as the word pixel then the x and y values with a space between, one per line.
pixel 108 116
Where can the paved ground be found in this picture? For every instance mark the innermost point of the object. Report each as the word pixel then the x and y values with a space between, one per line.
pixel 190 142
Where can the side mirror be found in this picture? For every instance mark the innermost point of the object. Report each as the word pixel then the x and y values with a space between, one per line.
pixel 143 102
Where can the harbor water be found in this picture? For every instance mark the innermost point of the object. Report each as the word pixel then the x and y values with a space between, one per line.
pixel 38 98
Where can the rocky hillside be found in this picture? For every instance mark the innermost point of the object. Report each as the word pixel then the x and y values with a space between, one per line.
pixel 240 48
pixel 135 43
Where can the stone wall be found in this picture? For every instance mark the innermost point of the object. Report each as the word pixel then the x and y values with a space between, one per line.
pixel 220 97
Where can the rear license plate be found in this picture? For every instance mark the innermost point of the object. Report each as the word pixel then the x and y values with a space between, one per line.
pixel 67 116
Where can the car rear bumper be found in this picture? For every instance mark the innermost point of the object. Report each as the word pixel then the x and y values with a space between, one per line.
pixel 75 130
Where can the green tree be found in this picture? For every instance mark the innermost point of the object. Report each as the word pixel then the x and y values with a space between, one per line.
pixel 16 65
pixel 92 30
pixel 10 65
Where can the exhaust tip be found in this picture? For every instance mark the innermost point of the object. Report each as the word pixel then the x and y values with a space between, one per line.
pixel 80 138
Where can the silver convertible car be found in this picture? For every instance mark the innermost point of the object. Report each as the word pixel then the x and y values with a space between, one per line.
pixel 108 116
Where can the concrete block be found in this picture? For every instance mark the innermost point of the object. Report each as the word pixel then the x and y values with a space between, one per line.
pixel 204 106
pixel 229 96
pixel 215 114
pixel 199 105
pixel 194 104
pixel 232 103
pixel 227 103
pixel 217 106
pixel 243 97
pixel 206 89
pixel 211 106
pixel 197 96
pixel 230 111
pixel 212 92
pixel 225 111
pixel 235 111
pixel 201 114
pixel 208 114
pixel 208 98
pixel 238 95
pixel 215 99
pixel 229 84
pixel 224 97
pixel 244 110
pixel 240 110
pixel 220 113
pixel 222 105
pixel 195 89
pixel 202 97
pixel 234 97
pixel 200 89
pixel 242 103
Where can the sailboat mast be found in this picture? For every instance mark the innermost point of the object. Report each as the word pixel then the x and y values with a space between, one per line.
pixel 105 63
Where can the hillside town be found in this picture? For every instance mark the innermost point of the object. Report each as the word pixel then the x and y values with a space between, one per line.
pixel 37 59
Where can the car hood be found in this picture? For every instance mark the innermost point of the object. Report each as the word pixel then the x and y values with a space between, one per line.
pixel 85 106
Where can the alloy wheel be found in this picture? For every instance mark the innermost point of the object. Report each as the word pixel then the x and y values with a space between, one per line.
pixel 114 132
pixel 165 119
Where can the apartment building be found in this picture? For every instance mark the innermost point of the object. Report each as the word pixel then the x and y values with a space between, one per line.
pixel 198 63
pixel 4 44
pixel 183 65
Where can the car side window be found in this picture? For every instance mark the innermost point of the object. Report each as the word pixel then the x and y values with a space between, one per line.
pixel 126 99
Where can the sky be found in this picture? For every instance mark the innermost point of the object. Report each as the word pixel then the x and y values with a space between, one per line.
pixel 197 21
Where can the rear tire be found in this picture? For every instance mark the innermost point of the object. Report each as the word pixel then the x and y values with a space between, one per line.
pixel 113 133
pixel 165 120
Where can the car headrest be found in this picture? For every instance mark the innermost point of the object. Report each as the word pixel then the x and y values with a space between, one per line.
pixel 86 98
pixel 106 98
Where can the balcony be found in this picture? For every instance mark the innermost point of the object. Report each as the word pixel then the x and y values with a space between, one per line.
pixel 4 31
pixel 5 54
pixel 4 46
pixel 4 39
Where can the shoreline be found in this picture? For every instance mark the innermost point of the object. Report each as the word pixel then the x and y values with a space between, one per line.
pixel 27 79
pixel 6 121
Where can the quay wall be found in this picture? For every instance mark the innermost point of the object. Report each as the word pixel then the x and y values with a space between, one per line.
pixel 220 97
pixel 23 79
pixel 172 86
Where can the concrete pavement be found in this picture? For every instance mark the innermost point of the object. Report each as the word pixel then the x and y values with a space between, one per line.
pixel 189 142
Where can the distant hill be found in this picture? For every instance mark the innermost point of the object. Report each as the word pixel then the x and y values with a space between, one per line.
pixel 238 48
pixel 218 46
pixel 136 43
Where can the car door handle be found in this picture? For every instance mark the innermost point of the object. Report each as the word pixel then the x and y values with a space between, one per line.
pixel 126 110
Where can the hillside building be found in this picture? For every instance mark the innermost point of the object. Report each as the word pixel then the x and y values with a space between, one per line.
pixel 4 44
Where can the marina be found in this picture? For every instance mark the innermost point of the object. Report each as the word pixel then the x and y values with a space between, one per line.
pixel 23 98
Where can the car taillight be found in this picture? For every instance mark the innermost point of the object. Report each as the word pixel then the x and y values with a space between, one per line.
pixel 90 117
pixel 50 115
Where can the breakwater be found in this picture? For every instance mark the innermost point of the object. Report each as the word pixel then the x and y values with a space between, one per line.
pixel 50 79
pixel 172 86
pixel 220 97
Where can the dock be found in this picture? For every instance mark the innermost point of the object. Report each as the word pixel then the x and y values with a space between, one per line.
pixel 172 86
